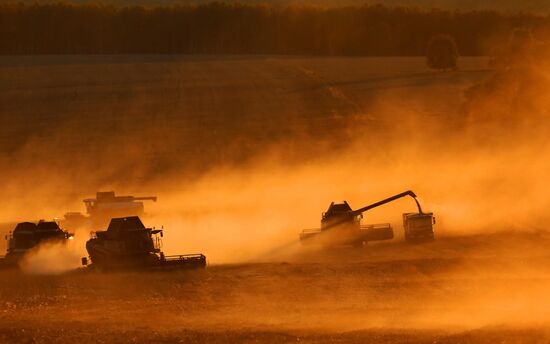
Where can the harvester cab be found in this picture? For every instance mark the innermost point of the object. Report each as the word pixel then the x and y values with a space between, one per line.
pixel 29 235
pixel 340 225
pixel 340 212
pixel 128 244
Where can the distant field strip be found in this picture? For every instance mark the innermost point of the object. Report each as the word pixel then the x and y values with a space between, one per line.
pixel 86 103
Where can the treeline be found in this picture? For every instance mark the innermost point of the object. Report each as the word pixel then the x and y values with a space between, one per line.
pixel 221 28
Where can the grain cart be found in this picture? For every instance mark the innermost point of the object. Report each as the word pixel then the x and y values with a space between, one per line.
pixel 418 227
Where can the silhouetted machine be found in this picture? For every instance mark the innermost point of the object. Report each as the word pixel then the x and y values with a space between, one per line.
pixel 28 235
pixel 106 206
pixel 128 244
pixel 340 225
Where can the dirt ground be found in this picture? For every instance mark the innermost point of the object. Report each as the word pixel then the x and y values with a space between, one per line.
pixel 476 289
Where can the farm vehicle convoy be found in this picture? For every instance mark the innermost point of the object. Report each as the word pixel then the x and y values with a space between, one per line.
pixel 127 243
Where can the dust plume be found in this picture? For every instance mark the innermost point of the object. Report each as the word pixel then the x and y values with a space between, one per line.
pixel 240 214
pixel 54 258
pixel 475 151
pixel 238 186
pixel 482 171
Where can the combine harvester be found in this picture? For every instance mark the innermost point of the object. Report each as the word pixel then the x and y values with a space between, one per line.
pixel 341 226
pixel 104 207
pixel 27 236
pixel 128 245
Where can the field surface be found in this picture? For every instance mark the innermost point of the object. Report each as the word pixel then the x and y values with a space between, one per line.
pixel 245 150
pixel 454 290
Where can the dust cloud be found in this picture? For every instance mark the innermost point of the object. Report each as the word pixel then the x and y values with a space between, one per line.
pixel 481 169
pixel 54 258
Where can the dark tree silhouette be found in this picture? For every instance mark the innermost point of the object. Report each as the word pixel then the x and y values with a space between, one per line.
pixel 230 28
pixel 442 53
